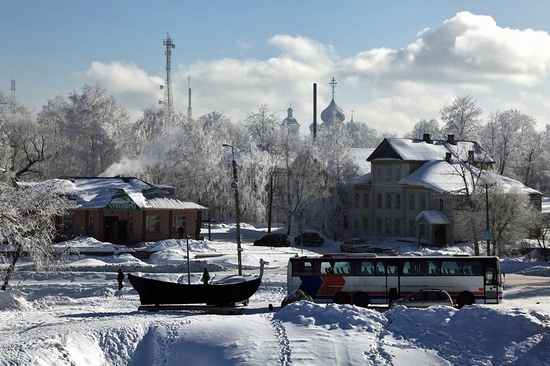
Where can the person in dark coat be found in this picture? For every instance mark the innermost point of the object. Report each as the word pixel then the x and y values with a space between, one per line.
pixel 205 277
pixel 181 231
pixel 120 278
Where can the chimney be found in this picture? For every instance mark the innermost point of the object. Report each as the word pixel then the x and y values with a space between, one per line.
pixel 471 156
pixel 448 157
pixel 451 139
pixel 426 138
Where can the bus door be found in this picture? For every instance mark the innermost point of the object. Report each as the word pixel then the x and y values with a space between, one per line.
pixel 491 286
pixel 392 280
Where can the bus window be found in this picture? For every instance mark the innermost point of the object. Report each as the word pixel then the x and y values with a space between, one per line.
pixel 410 268
pixel 392 269
pixel 380 268
pixel 367 268
pixel 325 268
pixel 489 276
pixel 342 268
pixel 472 268
pixel 434 268
pixel 300 268
pixel 450 268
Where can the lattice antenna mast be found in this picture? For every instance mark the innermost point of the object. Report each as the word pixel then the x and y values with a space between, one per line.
pixel 168 101
pixel 13 87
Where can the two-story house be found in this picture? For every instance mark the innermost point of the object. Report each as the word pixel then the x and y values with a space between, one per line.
pixel 413 184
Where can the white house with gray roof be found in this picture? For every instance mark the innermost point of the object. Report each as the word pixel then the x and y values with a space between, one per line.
pixel 412 185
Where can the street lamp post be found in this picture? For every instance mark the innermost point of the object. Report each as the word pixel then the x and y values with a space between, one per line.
pixel 235 186
pixel 487 233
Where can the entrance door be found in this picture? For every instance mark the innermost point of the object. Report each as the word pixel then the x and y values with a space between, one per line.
pixel 491 286
pixel 111 229
pixel 392 281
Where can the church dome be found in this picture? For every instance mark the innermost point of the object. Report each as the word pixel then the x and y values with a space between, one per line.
pixel 332 113
pixel 290 122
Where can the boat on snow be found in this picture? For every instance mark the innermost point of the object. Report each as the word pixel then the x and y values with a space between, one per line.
pixel 156 292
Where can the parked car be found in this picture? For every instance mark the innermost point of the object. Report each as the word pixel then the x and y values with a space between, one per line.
pixel 355 245
pixel 424 298
pixel 309 239
pixel 382 251
pixel 273 240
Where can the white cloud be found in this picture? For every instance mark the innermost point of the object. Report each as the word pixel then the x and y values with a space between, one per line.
pixel 387 88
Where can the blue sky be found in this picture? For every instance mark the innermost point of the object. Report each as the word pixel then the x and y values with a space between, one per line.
pixel 395 61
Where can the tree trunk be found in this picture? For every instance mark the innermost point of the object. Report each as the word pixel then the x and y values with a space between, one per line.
pixel 11 268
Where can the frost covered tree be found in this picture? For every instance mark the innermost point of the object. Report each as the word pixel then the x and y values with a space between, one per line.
pixel 90 127
pixel 335 198
pixel 26 221
pixel 24 142
pixel 461 118
pixel 423 126
pixel 362 135
pixel 506 137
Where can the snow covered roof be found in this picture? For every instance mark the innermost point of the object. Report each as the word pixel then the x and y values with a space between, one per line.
pixel 421 150
pixel 127 193
pixel 441 176
pixel 433 217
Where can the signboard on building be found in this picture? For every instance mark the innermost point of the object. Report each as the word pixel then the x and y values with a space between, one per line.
pixel 121 201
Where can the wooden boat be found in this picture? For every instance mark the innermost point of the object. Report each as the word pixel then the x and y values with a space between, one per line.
pixel 155 292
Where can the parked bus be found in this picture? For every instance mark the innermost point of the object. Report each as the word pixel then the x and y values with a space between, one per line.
pixel 364 279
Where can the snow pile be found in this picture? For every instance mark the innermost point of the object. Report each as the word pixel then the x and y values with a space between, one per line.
pixel 79 317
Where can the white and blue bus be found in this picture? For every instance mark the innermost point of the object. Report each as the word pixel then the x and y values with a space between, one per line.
pixel 364 279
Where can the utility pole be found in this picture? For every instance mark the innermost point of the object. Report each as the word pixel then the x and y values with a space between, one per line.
pixel 235 186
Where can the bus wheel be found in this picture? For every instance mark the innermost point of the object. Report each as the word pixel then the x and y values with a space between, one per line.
pixel 361 299
pixel 341 298
pixel 465 298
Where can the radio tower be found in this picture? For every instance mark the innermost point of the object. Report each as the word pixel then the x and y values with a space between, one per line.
pixel 168 102
pixel 189 110
pixel 13 87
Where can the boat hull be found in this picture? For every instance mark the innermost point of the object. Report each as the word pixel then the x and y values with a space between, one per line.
pixel 155 292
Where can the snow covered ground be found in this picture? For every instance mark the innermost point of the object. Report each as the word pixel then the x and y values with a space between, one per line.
pixel 78 317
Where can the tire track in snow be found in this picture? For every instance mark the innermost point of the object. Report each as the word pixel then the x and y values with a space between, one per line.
pixel 283 342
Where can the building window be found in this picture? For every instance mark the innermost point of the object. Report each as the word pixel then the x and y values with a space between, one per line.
pixel 422 202
pixel 397 227
pixel 177 221
pixel 152 224
pixel 378 226
pixel 91 224
pixel 398 173
pixel 388 200
pixel 366 200
pixel 67 222
pixel 130 224
pixel 379 200
pixel 398 201
pixel 441 204
pixel 412 228
pixel 411 201
pixel 357 200
pixel 378 173
pixel 388 227
pixel 365 223
pixel 388 173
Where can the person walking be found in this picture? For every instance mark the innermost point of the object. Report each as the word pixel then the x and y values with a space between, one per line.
pixel 205 277
pixel 120 278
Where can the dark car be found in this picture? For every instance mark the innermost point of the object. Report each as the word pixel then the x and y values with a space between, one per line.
pixel 273 240
pixel 382 251
pixel 309 239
